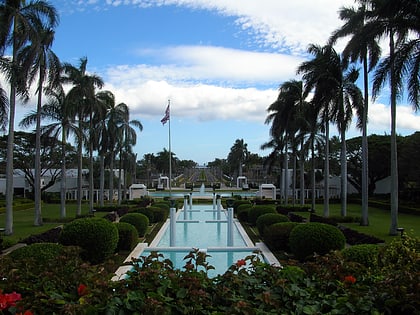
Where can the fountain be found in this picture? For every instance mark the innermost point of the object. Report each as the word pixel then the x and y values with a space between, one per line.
pixel 202 189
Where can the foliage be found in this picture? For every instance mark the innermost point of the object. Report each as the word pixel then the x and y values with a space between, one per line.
pixel 329 284
pixel 277 235
pixel 242 211
pixel 96 236
pixel 258 210
pixel 41 252
pixel 147 211
pixel 309 238
pixel 268 219
pixel 364 254
pixel 128 236
pixel 138 220
pixel 160 212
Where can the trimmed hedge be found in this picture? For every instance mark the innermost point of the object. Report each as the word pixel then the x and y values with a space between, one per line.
pixel 97 237
pixel 242 212
pixel 277 235
pixel 147 211
pixel 258 210
pixel 39 252
pixel 138 220
pixel 320 238
pixel 365 254
pixel 128 236
pixel 268 219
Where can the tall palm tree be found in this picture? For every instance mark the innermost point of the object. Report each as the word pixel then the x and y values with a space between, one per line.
pixel 238 155
pixel 17 21
pixel 81 97
pixel 397 20
pixel 127 141
pixel 366 50
pixel 41 62
pixel 284 116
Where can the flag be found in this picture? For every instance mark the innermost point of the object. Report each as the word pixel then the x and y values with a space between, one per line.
pixel 166 117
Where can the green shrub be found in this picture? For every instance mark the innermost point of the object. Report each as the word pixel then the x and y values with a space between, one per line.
pixel 277 235
pixel 128 236
pixel 160 214
pixel 365 254
pixel 258 210
pixel 40 252
pixel 268 219
pixel 242 211
pixel 138 220
pixel 237 203
pixel 147 212
pixel 320 238
pixel 96 236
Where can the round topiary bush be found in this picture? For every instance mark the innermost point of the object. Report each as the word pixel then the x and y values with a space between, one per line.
pixel 277 235
pixel 40 252
pixel 97 237
pixel 128 236
pixel 147 211
pixel 268 219
pixel 258 210
pixel 242 211
pixel 309 238
pixel 160 212
pixel 365 254
pixel 138 220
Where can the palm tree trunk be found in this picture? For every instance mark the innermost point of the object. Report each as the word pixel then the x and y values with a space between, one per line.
pixel 327 170
pixel 79 171
pixel 313 173
pixel 365 158
pixel 119 179
pixel 37 180
pixel 102 181
pixel 343 163
pixel 91 191
pixel 111 178
pixel 63 183
pixel 286 174
pixel 302 175
pixel 394 161
pixel 294 178
pixel 9 162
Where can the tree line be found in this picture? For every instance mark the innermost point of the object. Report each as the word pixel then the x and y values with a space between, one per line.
pixel 328 92
pixel 76 105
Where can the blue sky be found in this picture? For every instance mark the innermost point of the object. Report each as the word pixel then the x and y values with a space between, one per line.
pixel 220 63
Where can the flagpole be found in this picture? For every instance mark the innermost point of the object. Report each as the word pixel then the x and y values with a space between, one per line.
pixel 170 154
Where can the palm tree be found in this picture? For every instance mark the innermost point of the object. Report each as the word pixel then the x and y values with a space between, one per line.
pixel 277 146
pixel 238 155
pixel 17 21
pixel 396 19
pixel 128 140
pixel 367 51
pixel 284 115
pixel 40 60
pixel 81 98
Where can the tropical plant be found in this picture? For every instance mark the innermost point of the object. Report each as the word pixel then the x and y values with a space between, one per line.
pixel 39 60
pixel 81 98
pixel 366 50
pixel 18 26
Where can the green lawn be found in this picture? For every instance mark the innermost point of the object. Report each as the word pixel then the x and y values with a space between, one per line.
pixel 23 220
pixel 379 221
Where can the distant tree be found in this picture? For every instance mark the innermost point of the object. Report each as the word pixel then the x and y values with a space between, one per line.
pixel 24 156
pixel 238 156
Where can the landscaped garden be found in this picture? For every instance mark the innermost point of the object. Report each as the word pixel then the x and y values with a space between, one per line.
pixel 70 273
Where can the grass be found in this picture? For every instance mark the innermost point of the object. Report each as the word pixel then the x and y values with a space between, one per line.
pixel 379 221
pixel 23 220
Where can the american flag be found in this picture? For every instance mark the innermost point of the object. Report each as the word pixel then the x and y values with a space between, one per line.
pixel 166 117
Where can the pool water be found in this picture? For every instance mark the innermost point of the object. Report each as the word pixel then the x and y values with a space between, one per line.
pixel 203 230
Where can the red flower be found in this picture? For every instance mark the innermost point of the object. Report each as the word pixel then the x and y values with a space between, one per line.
pixel 26 313
pixel 240 263
pixel 349 279
pixel 82 290
pixel 8 299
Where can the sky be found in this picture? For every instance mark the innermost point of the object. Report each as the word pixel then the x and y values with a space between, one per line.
pixel 219 62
